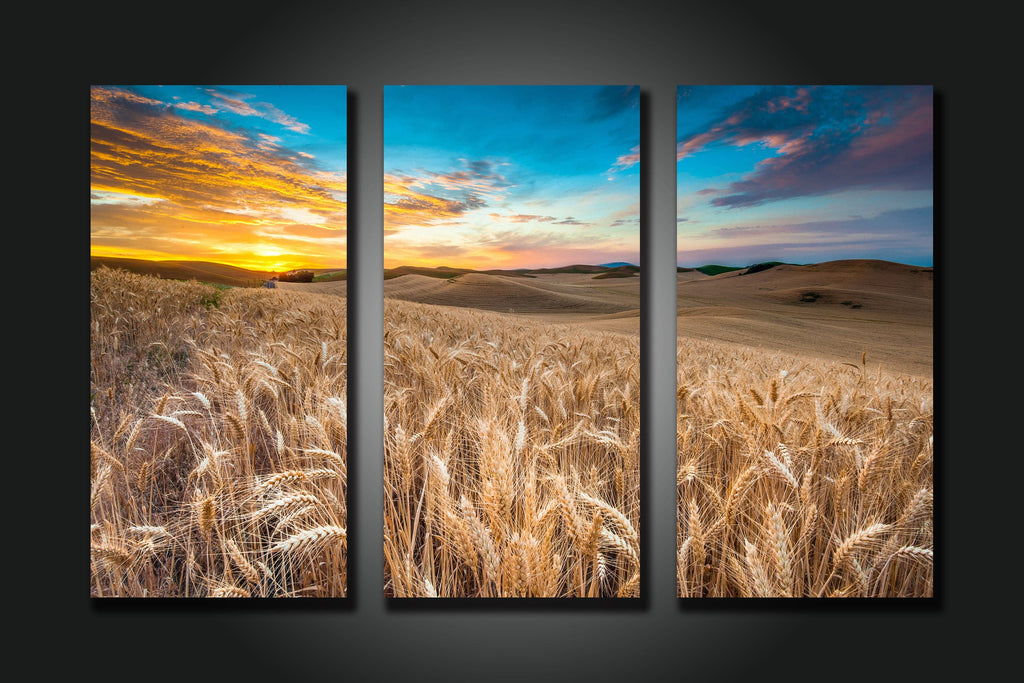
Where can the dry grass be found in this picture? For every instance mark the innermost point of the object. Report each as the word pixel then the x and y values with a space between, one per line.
pixel 801 478
pixel 218 432
pixel 511 457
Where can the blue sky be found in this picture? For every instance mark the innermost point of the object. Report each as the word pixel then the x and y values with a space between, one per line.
pixel 804 174
pixel 511 176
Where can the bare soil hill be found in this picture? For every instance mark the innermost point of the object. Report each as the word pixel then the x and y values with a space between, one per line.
pixel 690 276
pixel 334 287
pixel 545 294
pixel 835 310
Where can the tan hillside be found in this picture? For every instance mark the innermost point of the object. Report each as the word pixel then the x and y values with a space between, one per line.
pixel 562 293
pixel 832 310
pixel 335 287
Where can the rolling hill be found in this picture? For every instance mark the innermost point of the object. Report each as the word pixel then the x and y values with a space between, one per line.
pixel 186 270
pixel 834 309
pixel 548 293
pixel 205 271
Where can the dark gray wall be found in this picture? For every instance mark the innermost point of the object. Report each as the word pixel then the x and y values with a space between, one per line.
pixel 656 46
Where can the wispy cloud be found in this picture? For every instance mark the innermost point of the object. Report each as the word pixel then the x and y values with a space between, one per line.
pixel 428 197
pixel 626 160
pixel 522 218
pixel 238 104
pixel 893 235
pixel 551 248
pixel 478 178
pixel 404 205
pixel 207 109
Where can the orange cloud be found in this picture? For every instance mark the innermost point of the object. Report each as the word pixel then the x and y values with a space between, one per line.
pixel 626 160
pixel 404 205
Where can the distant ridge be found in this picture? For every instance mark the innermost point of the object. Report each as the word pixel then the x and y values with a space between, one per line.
pixel 626 270
pixel 834 262
pixel 207 271
pixel 715 269
pixel 203 271
pixel 758 267
pixel 575 268
pixel 600 271
pixel 539 295
pixel 440 271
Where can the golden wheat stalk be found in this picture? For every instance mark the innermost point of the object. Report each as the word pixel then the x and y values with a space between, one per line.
pixel 311 540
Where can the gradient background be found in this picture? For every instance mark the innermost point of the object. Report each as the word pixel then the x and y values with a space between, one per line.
pixel 656 46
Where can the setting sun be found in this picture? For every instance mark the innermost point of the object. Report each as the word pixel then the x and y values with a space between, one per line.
pixel 252 177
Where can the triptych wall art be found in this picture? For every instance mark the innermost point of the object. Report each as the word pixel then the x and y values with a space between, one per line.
pixel 511 342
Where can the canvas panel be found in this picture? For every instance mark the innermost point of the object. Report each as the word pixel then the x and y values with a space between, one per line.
pixel 511 341
pixel 804 309
pixel 218 341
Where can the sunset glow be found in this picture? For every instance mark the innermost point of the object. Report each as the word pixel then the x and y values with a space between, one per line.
pixel 250 176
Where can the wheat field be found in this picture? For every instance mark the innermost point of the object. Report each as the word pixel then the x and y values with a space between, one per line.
pixel 218 456
pixel 801 478
pixel 218 440
pixel 511 456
